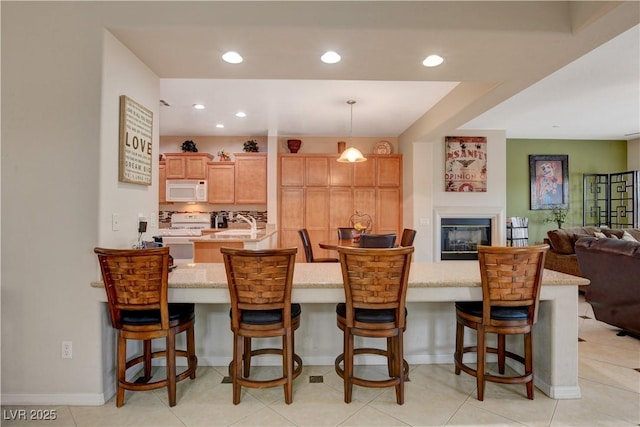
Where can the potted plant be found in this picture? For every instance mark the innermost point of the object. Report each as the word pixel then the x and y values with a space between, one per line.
pixel 558 215
pixel 250 146
pixel 189 147
pixel 224 156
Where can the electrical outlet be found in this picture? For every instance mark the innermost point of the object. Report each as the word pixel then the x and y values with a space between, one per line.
pixel 67 350
pixel 115 222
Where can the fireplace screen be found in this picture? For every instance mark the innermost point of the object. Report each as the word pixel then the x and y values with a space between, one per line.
pixel 461 237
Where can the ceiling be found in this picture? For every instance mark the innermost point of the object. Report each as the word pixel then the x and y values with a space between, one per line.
pixel 565 70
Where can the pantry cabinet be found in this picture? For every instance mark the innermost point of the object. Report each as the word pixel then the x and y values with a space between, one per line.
pixel 187 165
pixel 320 194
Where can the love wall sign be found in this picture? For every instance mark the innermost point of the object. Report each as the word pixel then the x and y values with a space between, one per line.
pixel 136 130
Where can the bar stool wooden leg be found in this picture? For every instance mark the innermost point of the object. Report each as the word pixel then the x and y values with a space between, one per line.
pixel 482 357
pixel 171 367
pixel 528 364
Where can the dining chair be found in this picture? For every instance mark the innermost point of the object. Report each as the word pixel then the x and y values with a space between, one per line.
pixel 408 235
pixel 511 278
pixel 136 283
pixel 260 284
pixel 375 287
pixel 308 248
pixel 378 240
pixel 346 233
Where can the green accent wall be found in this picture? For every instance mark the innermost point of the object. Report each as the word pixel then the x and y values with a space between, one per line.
pixel 585 156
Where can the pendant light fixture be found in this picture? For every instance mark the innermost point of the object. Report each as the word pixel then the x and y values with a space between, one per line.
pixel 351 154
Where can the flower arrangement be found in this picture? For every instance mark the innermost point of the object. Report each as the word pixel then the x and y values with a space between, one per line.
pixel 224 156
pixel 558 215
pixel 250 146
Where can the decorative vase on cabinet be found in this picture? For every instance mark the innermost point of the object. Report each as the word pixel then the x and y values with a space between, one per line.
pixel 294 145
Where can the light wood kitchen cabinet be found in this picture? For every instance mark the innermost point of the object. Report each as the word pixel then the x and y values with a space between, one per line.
pixel 330 192
pixel 364 173
pixel 162 183
pixel 251 179
pixel 291 210
pixel 389 171
pixel 316 171
pixel 291 171
pixel 340 174
pixel 187 165
pixel 221 180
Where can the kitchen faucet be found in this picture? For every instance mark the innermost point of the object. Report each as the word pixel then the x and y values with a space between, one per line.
pixel 251 221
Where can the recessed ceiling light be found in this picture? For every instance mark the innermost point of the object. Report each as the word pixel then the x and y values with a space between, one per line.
pixel 232 57
pixel 219 125
pixel 240 114
pixel 433 61
pixel 198 106
pixel 330 57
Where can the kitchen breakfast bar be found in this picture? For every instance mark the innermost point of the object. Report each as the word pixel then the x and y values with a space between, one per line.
pixel 430 335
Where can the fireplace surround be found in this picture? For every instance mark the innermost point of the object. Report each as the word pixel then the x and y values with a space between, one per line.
pixel 495 216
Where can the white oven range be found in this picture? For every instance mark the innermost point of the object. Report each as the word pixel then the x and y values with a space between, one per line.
pixel 183 227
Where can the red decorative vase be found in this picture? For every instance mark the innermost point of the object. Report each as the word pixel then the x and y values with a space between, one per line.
pixel 294 145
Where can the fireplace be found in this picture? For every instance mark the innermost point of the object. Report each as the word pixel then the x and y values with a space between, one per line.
pixel 460 237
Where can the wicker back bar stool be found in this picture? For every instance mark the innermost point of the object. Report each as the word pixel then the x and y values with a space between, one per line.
pixel 135 281
pixel 511 278
pixel 260 284
pixel 375 286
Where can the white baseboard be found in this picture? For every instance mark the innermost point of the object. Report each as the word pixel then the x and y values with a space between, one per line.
pixel 75 399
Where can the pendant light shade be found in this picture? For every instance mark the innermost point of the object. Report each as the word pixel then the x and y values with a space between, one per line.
pixel 351 154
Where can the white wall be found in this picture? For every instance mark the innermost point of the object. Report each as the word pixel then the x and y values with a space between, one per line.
pixel 61 82
pixel 59 188
pixel 425 187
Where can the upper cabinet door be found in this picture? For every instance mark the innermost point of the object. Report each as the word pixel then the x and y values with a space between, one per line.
pixel 187 165
pixel 195 167
pixel 389 171
pixel 221 180
pixel 291 171
pixel 251 179
pixel 317 171
pixel 341 174
pixel 364 173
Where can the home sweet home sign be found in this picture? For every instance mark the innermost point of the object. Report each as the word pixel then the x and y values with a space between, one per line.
pixel 466 163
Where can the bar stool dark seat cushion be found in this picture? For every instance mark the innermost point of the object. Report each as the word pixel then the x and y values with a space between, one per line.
pixel 474 308
pixel 267 317
pixel 368 315
pixel 177 312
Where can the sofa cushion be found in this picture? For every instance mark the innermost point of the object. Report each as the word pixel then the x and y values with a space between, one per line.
pixel 635 232
pixel 561 241
pixel 613 233
pixel 628 237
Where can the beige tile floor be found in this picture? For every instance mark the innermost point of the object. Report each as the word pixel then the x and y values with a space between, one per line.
pixel 608 370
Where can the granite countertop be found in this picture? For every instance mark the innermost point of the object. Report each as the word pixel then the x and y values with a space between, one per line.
pixel 329 275
pixel 244 236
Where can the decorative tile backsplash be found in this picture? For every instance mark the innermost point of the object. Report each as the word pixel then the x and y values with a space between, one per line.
pixel 164 217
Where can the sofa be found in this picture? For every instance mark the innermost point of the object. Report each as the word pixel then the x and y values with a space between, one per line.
pixel 613 268
pixel 562 255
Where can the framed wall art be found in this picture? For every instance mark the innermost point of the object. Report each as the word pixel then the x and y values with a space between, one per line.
pixel 136 131
pixel 549 179
pixel 466 163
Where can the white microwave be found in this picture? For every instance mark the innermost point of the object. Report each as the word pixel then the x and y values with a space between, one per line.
pixel 186 190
